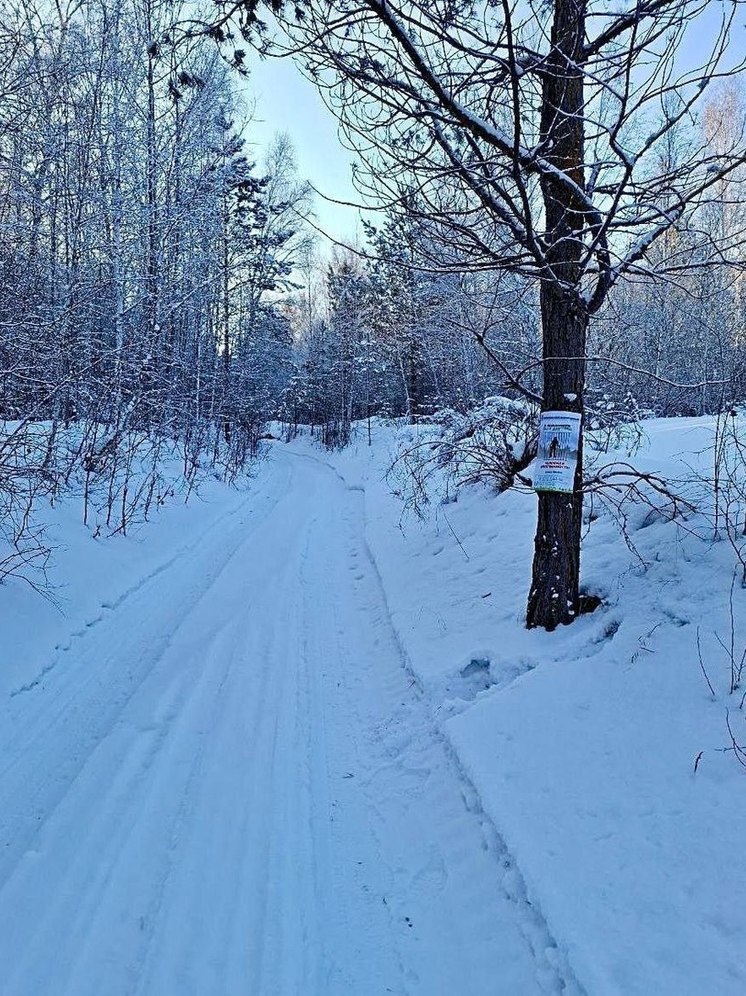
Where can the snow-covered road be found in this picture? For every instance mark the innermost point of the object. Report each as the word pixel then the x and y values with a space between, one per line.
pixel 231 784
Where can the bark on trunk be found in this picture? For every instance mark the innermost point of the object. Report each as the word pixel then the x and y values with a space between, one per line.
pixel 554 596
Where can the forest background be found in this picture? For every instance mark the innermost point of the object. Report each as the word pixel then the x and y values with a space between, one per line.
pixel 163 295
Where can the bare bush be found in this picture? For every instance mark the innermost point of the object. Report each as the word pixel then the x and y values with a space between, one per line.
pixel 27 472
pixel 492 445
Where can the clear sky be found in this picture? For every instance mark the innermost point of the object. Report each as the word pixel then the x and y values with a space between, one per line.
pixel 285 101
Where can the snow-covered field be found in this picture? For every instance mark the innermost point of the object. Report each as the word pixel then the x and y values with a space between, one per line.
pixel 284 741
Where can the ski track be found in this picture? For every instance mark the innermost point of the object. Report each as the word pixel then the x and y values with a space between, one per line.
pixel 232 784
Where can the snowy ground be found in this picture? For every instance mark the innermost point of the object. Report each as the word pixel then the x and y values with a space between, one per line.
pixel 226 782
pixel 582 744
pixel 277 745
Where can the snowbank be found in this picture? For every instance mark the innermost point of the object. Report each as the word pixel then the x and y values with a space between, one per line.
pixel 90 573
pixel 583 744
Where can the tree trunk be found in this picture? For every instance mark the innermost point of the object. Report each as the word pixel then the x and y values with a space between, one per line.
pixel 414 401
pixel 226 322
pixel 554 595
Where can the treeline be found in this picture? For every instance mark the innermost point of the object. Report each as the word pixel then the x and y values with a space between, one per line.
pixel 160 295
pixel 138 242
pixel 398 328
pixel 139 250
pixel 380 333
pixel 142 256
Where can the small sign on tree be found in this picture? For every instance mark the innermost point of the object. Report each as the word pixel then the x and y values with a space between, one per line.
pixel 557 456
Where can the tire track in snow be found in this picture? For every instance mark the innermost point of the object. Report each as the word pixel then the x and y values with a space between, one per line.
pixel 113 845
pixel 185 887
pixel 67 644
pixel 553 970
pixel 81 705
pixel 257 942
pixel 411 762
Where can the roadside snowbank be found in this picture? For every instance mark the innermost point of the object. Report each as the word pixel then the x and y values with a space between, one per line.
pixel 88 576
pixel 582 744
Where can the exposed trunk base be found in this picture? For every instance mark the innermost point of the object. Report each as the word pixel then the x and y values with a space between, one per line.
pixel 554 598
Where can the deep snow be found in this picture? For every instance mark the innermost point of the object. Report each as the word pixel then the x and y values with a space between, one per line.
pixel 582 743
pixel 285 741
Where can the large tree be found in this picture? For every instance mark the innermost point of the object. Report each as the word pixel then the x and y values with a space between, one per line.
pixel 559 140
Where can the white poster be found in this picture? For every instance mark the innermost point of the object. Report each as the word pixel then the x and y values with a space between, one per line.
pixel 557 457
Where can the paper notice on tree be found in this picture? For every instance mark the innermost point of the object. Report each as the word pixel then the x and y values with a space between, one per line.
pixel 557 457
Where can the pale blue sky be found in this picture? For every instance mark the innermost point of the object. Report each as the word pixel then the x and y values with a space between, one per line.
pixel 285 101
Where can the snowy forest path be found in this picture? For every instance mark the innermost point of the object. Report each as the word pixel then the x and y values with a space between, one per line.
pixel 232 786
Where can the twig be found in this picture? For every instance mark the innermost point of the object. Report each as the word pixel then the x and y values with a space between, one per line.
pixel 702 666
pixel 456 537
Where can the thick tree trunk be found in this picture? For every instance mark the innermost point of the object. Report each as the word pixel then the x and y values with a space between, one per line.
pixel 554 594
